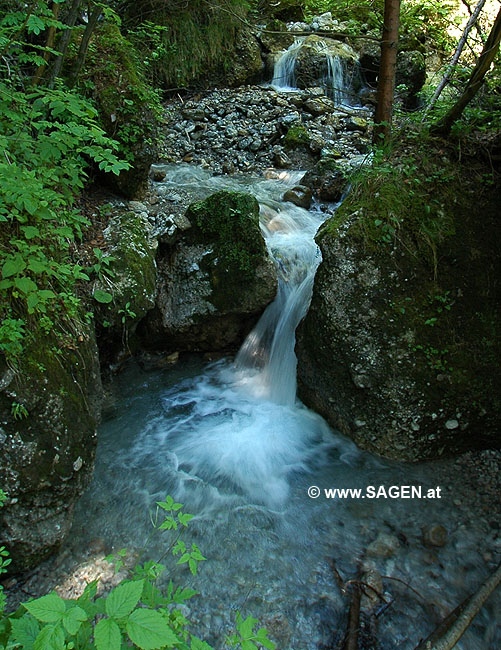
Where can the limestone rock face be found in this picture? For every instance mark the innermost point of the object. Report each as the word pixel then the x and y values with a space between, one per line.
pixel 49 410
pixel 215 280
pixel 403 361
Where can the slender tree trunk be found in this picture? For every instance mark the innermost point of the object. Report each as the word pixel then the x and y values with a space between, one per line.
pixel 387 67
pixel 70 21
pixel 84 44
pixel 454 61
pixel 51 37
pixel 443 126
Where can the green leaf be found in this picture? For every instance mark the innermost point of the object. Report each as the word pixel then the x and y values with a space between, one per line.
pixel 198 644
pixel 149 630
pixel 51 637
pixel 49 609
pixel 102 296
pixel 26 285
pixel 107 635
pixel 73 619
pixel 24 631
pixel 13 266
pixel 30 231
pixel 124 598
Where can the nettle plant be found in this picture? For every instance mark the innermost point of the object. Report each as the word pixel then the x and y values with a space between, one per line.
pixel 134 614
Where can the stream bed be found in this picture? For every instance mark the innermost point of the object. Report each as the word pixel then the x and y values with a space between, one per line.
pixel 230 440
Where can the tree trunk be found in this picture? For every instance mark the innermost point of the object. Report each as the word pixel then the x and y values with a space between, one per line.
pixel 51 37
pixel 387 67
pixel 70 21
pixel 445 79
pixel 84 44
pixel 443 126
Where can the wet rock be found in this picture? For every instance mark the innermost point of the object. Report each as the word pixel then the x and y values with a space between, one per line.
pixel 370 595
pixel 158 175
pixel 434 535
pixel 49 439
pixel 384 545
pixel 326 179
pixel 312 65
pixel 215 280
pixel 132 247
pixel 300 196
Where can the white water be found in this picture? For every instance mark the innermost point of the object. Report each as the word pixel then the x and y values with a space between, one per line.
pixel 284 77
pixel 231 441
pixel 336 82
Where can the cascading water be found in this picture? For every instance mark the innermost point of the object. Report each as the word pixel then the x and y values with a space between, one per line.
pixel 336 82
pixel 231 441
pixel 284 77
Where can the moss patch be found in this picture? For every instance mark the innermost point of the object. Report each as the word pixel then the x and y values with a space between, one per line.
pixel 228 222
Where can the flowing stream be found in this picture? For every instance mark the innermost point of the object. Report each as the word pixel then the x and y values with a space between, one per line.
pixel 230 440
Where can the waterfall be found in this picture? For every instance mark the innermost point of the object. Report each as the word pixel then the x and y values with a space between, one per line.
pixel 284 77
pixel 336 82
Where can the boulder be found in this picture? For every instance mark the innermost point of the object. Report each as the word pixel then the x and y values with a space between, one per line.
pixel 49 408
pixel 327 180
pixel 130 278
pixel 312 67
pixel 398 349
pixel 300 196
pixel 215 281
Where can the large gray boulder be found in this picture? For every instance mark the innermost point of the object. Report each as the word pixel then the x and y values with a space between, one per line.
pixel 215 277
pixel 49 410
pixel 399 348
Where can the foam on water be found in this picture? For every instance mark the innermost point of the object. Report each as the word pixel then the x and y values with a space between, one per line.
pixel 231 441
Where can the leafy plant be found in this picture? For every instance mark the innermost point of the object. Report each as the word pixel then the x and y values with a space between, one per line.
pixel 136 613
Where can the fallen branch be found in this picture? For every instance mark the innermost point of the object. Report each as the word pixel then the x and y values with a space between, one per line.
pixel 452 628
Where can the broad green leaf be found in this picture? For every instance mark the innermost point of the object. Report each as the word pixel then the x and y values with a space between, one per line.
pixel 51 637
pixel 13 266
pixel 248 645
pixel 48 609
pixel 26 285
pixel 149 630
pixel 73 619
pixel 37 266
pixel 24 631
pixel 32 301
pixel 198 644
pixel 102 296
pixel 107 635
pixel 30 231
pixel 124 598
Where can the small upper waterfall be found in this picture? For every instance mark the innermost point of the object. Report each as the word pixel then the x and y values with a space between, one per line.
pixel 336 81
pixel 284 76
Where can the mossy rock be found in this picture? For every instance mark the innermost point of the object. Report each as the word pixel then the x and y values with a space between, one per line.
pixel 50 407
pixel 215 281
pixel 297 137
pixel 399 349
pixel 129 109
pixel 131 281
pixel 229 221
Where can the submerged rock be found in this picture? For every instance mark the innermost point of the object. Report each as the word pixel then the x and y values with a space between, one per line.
pixel 49 407
pixel 215 281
